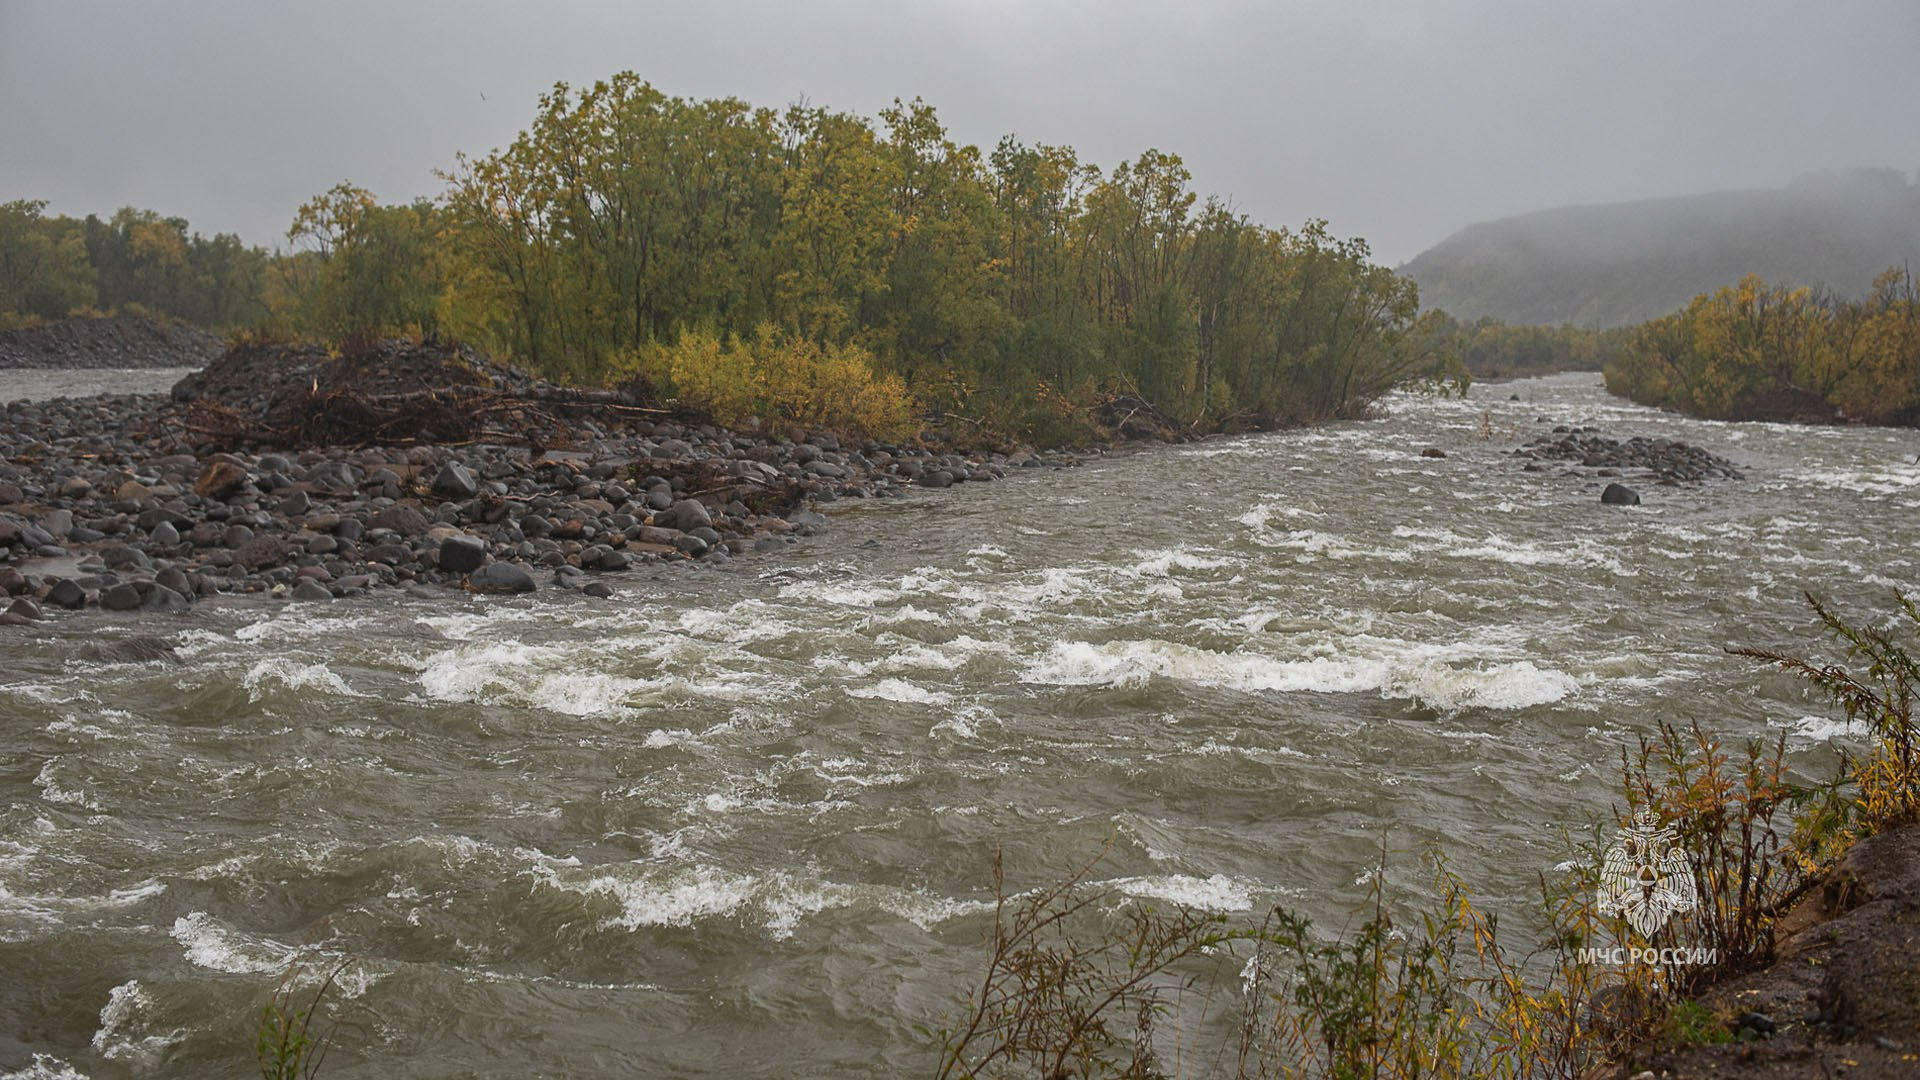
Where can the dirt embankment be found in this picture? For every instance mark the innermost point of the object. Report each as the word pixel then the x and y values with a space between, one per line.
pixel 1843 999
pixel 118 342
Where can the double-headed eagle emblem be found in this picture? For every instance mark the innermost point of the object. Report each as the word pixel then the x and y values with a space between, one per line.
pixel 1646 877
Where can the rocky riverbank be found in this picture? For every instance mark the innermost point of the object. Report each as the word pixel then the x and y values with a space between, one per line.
pixel 232 486
pixel 117 342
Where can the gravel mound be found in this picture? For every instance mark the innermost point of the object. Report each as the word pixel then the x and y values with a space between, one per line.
pixel 119 342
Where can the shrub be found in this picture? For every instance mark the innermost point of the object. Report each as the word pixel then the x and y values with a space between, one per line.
pixel 775 376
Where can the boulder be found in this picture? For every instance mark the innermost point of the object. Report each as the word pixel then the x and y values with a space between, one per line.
pixel 261 552
pixel 121 597
pixel 165 600
pixel 462 554
pixel 502 577
pixel 1620 495
pixel 67 594
pixel 221 479
pixel 454 481
pixel 684 515
pixel 404 520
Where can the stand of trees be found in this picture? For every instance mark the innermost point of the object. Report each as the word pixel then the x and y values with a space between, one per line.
pixel 628 232
pixel 1489 348
pixel 135 262
pixel 1010 284
pixel 1768 352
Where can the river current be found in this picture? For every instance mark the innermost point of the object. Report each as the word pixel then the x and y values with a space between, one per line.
pixel 742 822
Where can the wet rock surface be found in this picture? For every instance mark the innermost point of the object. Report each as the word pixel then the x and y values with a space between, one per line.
pixel 135 503
pixel 1651 460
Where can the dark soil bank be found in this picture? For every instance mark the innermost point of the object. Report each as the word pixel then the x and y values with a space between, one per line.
pixel 1844 997
pixel 289 471
pixel 108 343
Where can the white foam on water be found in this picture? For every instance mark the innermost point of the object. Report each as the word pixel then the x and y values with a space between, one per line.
pixel 787 900
pixel 188 644
pixel 1894 478
pixel 1823 728
pixel 1134 663
pixel 906 654
pixel 45 1067
pixel 1213 893
pixel 300 625
pixel 1313 544
pixel 906 613
pixel 466 674
pixel 901 691
pixel 294 675
pixel 677 898
pixel 211 945
pixel 1163 563
pixel 1062 584
pixel 662 738
pixel 1518 685
pixel 49 694
pixel 1578 553
pixel 540 676
pixel 685 896
pixel 840 771
pixel 122 1011
pixel 840 595
pixel 52 790
pixel 73 725
pixel 742 623
pixel 1396 670
pixel 1263 754
pixel 964 723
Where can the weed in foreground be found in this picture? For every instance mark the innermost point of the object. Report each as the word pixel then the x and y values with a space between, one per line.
pixel 284 1042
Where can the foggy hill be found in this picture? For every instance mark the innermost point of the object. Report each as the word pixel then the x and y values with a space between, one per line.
pixel 1623 263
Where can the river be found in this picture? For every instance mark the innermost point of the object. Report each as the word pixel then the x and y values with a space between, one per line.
pixel 741 822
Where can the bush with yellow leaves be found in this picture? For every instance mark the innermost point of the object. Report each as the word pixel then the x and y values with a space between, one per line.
pixel 776 376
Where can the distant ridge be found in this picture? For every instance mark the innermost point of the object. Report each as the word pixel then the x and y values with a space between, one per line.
pixel 1622 263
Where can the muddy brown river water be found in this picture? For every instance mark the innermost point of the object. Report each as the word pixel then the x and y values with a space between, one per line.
pixel 740 822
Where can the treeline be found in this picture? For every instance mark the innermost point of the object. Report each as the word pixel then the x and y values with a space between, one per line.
pixel 135 262
pixel 1491 349
pixel 625 225
pixel 627 232
pixel 1767 352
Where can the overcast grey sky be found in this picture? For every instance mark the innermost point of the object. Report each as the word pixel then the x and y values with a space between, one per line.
pixel 1397 120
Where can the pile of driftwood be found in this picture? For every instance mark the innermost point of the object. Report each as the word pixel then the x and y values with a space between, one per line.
pixel 389 393
pixel 1128 415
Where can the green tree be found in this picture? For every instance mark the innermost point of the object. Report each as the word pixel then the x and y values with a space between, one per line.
pixel 44 271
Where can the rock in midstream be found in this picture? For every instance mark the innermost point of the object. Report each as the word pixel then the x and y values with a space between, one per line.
pixel 1665 460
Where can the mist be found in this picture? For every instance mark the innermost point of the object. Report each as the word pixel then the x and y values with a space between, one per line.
pixel 1400 122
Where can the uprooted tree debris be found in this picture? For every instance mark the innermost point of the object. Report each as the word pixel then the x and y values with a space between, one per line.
pixel 392 393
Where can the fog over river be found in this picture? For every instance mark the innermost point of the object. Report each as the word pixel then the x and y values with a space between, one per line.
pixel 742 821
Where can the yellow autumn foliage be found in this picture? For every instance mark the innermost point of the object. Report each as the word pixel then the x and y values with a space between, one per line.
pixel 779 377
